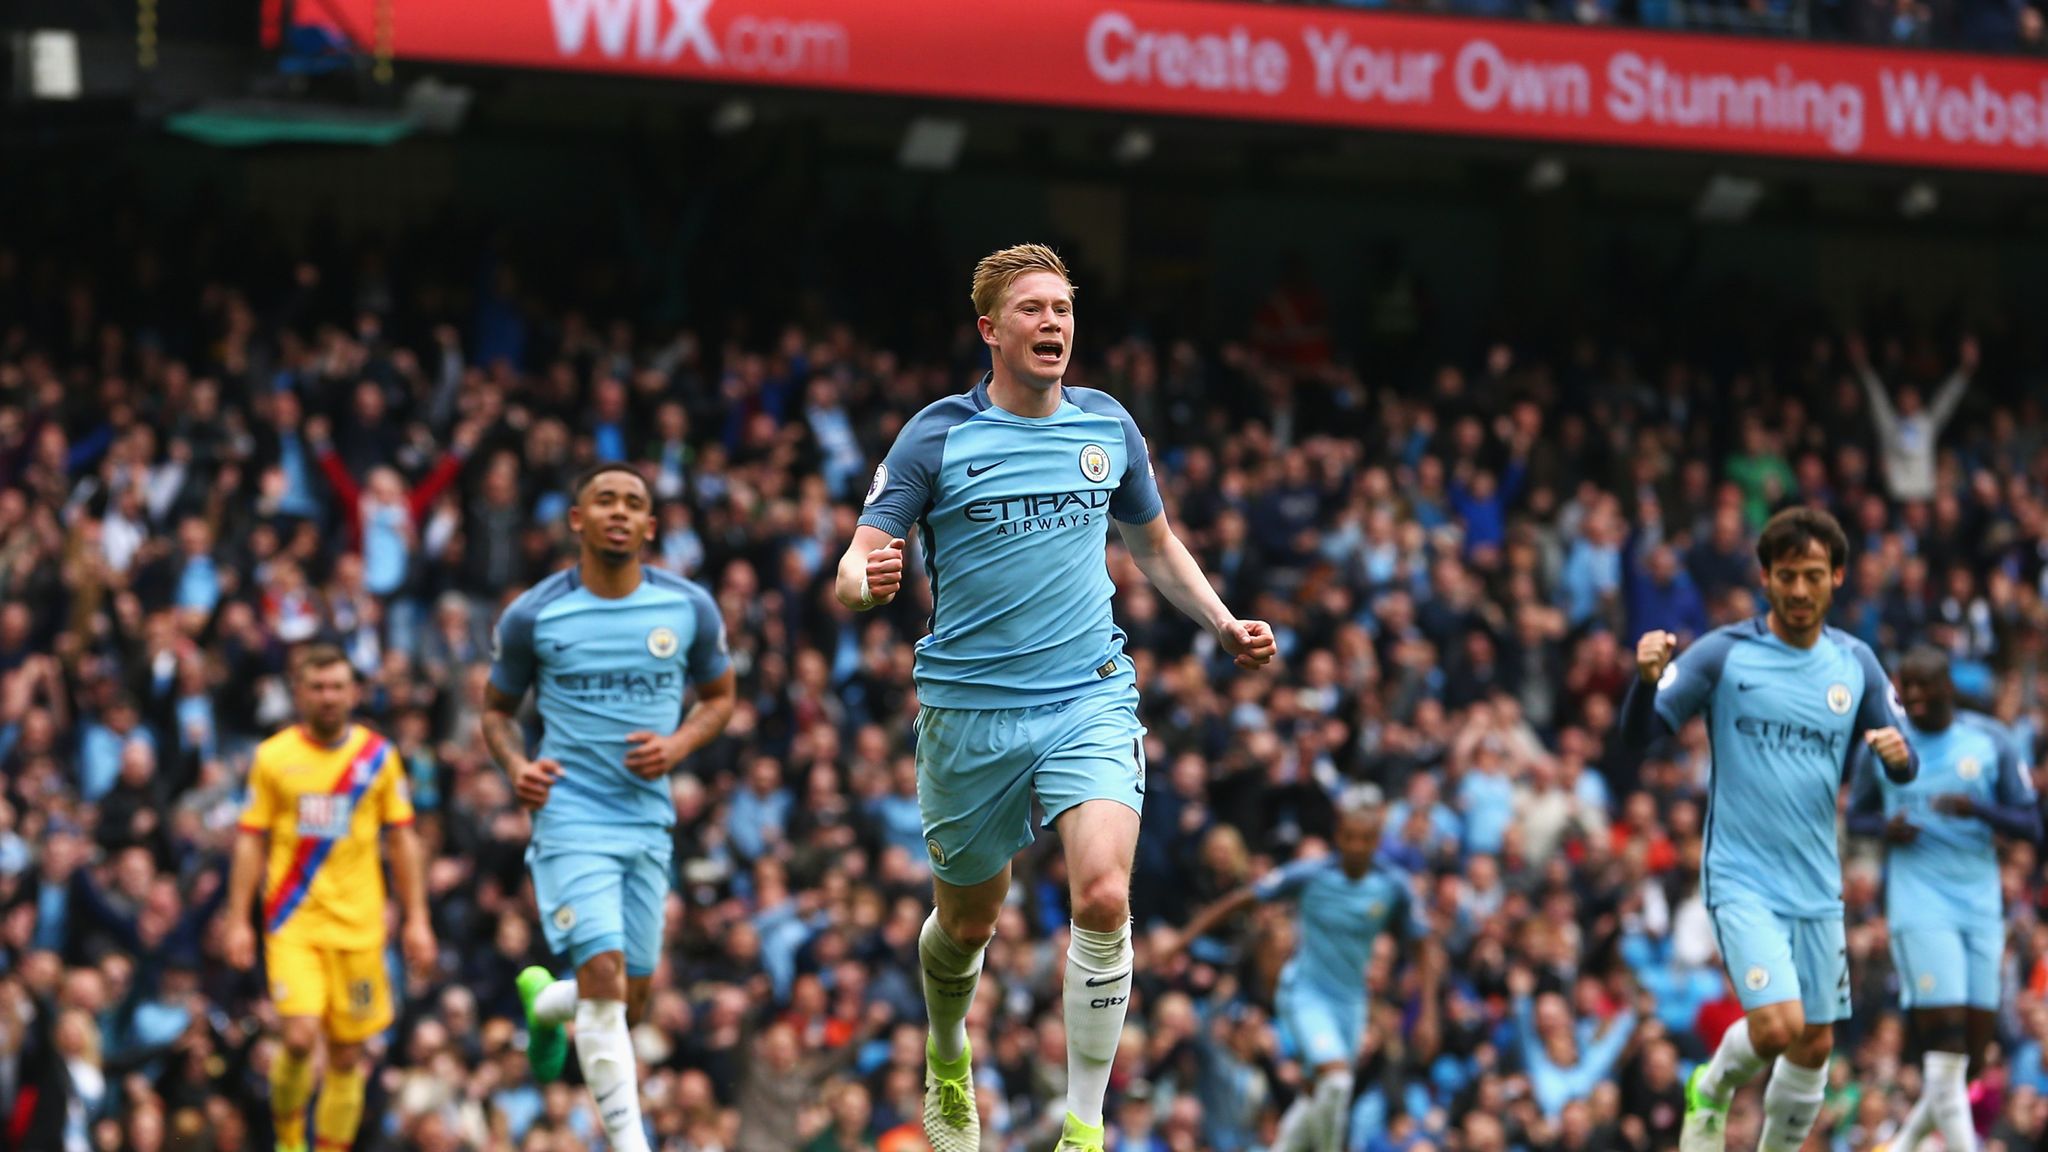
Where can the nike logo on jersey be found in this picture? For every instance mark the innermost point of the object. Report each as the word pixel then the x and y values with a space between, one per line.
pixel 1097 982
pixel 972 471
pixel 1742 687
pixel 563 645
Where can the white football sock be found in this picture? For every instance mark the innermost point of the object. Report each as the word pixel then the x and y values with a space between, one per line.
pixel 1919 1121
pixel 1948 1093
pixel 556 1003
pixel 1331 1108
pixel 1735 1063
pixel 604 1049
pixel 1097 994
pixel 950 975
pixel 1791 1105
pixel 1293 1135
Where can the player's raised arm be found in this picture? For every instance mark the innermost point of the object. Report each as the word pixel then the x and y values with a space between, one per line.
pixel 1670 687
pixel 871 571
pixel 1640 724
pixel 1880 719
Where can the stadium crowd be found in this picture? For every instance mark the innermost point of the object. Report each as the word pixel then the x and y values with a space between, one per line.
pixel 1456 565
pixel 1971 25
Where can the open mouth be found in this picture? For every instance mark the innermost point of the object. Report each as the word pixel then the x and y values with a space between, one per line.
pixel 618 537
pixel 1048 351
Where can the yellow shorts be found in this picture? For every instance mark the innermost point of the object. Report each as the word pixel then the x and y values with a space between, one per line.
pixel 348 989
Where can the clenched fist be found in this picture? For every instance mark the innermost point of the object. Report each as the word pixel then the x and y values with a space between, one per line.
pixel 883 574
pixel 1249 642
pixel 1653 652
pixel 1889 745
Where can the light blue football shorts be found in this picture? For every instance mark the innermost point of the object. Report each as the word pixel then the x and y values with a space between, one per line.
pixel 1773 958
pixel 1941 967
pixel 599 895
pixel 978 770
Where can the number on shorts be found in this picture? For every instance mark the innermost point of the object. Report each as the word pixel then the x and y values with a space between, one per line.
pixel 360 997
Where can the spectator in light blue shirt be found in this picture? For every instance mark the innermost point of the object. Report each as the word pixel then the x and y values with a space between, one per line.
pixel 300 498
pixel 1592 567
pixel 760 811
pixel 897 814
pixel 1232 1084
pixel 1446 831
pixel 1486 796
pixel 198 733
pixel 198 576
pixel 844 463
pixel 608 420
pixel 2029 1068
pixel 1574 749
pixel 1559 1071
pixel 100 746
pixel 783 926
pixel 682 550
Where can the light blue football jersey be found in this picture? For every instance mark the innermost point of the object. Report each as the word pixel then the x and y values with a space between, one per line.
pixel 605 668
pixel 1784 724
pixel 1013 516
pixel 1339 919
pixel 1948 876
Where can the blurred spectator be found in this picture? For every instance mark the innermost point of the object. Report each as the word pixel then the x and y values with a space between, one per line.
pixel 1909 433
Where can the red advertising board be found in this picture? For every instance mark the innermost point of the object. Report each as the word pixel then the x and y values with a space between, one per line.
pixel 1296 64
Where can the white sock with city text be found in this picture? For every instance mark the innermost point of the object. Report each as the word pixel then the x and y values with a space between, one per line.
pixel 1097 995
pixel 604 1050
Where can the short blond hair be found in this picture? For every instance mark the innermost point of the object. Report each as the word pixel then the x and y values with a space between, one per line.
pixel 998 270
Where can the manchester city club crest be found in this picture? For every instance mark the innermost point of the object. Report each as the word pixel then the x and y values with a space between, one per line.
pixel 1095 463
pixel 1968 768
pixel 661 643
pixel 1838 699
pixel 565 918
pixel 1758 978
